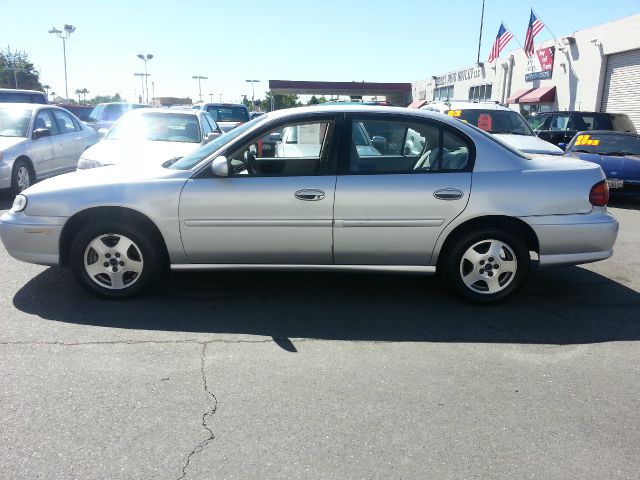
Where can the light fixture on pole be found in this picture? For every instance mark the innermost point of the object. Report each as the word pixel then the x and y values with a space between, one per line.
pixel 143 77
pixel 64 35
pixel 253 93
pixel 145 59
pixel 199 78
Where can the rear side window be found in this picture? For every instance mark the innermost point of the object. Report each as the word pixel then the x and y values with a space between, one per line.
pixel 591 121
pixel 64 122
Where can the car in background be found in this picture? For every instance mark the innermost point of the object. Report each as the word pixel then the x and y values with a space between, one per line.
pixel 465 205
pixel 499 120
pixel 560 127
pixel 104 115
pixel 151 135
pixel 618 154
pixel 13 95
pixel 82 111
pixel 39 141
pixel 255 114
pixel 228 115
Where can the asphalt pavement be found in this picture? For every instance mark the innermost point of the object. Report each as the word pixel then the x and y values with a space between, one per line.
pixel 323 376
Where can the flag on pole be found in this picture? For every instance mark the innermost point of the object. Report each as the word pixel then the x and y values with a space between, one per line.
pixel 502 39
pixel 535 27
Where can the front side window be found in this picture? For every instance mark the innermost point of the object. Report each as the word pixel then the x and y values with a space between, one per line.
pixel 301 149
pixel 406 147
pixel 536 121
pixel 560 122
pixel 64 122
pixel 212 123
pixel 45 120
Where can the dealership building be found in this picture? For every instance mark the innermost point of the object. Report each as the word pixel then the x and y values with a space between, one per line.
pixel 597 69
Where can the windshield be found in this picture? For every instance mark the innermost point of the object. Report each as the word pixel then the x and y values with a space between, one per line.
pixel 228 113
pixel 607 144
pixel 157 127
pixel 14 122
pixel 195 157
pixel 494 121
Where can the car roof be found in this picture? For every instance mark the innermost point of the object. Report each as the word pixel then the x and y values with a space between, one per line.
pixel 607 132
pixel 465 105
pixel 218 104
pixel 19 90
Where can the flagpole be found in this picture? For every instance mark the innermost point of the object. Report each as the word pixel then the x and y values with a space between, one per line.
pixel 480 39
pixel 546 26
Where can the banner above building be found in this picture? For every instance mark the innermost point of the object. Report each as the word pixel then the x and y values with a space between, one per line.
pixel 540 65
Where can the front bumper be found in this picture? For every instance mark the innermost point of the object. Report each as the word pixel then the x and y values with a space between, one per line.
pixel 32 239
pixel 574 239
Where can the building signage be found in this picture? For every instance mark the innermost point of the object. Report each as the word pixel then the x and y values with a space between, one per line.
pixel 540 65
pixel 460 76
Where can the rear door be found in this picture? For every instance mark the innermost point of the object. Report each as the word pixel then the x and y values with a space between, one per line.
pixel 393 200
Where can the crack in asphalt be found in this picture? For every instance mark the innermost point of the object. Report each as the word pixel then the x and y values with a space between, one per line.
pixel 208 414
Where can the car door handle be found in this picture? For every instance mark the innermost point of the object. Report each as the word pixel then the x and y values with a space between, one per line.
pixel 448 194
pixel 309 195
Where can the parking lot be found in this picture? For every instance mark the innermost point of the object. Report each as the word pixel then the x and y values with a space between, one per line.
pixel 323 375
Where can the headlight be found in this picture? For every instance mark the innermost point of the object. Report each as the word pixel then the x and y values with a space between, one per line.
pixel 19 204
pixel 85 163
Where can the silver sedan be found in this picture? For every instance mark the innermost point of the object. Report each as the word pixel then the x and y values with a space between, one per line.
pixel 439 196
pixel 39 141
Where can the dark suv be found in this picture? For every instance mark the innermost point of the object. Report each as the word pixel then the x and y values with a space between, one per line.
pixel 560 127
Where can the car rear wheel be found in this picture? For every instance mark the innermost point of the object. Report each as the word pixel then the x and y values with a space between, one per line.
pixel 114 261
pixel 488 265
pixel 21 177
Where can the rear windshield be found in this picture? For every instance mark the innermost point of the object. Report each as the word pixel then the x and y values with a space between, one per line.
pixel 606 144
pixel 591 121
pixel 225 113
pixel 494 121
pixel 22 97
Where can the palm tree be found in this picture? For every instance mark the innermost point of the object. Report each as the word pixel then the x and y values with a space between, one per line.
pixel 78 92
pixel 46 87
pixel 84 92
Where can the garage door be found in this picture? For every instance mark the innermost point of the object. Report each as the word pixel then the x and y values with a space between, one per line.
pixel 621 93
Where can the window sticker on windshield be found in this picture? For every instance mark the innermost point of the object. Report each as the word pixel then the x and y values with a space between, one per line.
pixel 454 113
pixel 484 122
pixel 586 140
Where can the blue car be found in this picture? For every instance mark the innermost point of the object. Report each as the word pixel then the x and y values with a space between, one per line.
pixel 617 153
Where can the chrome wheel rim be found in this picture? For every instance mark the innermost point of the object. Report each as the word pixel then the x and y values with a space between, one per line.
pixel 113 261
pixel 488 267
pixel 23 178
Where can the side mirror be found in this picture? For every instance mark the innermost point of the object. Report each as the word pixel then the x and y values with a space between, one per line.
pixel 211 136
pixel 378 142
pixel 275 137
pixel 220 166
pixel 41 132
pixel 562 145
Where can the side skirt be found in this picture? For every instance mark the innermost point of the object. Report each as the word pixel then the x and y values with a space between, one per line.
pixel 429 270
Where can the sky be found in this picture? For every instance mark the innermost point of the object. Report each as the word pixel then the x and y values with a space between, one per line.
pixel 232 41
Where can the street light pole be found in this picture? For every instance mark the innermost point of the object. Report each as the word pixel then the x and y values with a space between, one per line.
pixel 253 93
pixel 199 77
pixel 68 30
pixel 143 77
pixel 145 59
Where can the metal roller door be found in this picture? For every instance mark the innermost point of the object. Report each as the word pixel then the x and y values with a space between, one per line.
pixel 621 93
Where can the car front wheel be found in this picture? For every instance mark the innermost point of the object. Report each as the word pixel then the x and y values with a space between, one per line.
pixel 21 177
pixel 114 261
pixel 488 265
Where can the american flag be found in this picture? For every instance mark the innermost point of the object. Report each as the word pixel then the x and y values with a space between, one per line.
pixel 535 26
pixel 502 39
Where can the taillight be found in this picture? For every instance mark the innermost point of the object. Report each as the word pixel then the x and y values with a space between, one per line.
pixel 599 194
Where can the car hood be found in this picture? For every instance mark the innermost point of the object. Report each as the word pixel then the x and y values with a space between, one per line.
pixel 111 152
pixel 8 142
pixel 529 144
pixel 627 167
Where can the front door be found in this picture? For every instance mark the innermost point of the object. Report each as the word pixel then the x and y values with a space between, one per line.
pixel 269 210
pixel 42 150
pixel 394 197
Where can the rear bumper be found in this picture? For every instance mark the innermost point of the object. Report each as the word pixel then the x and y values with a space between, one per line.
pixel 32 239
pixel 574 239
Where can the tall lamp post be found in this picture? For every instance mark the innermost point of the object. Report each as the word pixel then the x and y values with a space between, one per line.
pixel 199 78
pixel 64 35
pixel 253 93
pixel 143 77
pixel 145 59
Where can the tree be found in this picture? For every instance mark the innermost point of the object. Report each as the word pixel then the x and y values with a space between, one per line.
pixel 279 101
pixel 84 92
pixel 105 98
pixel 313 101
pixel 15 66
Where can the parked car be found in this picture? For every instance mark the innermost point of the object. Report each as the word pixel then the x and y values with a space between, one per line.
pixel 39 141
pixel 12 95
pixel 499 120
pixel 617 153
pixel 228 115
pixel 467 206
pixel 255 114
pixel 151 134
pixel 560 127
pixel 104 115
pixel 82 111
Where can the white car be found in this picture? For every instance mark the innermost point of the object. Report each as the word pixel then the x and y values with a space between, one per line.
pixel 152 135
pixel 499 120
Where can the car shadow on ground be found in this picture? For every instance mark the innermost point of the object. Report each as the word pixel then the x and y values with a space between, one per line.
pixel 6 199
pixel 625 203
pixel 563 306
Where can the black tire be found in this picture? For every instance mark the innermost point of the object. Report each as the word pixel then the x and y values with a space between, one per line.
pixel 143 262
pixel 22 176
pixel 460 271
